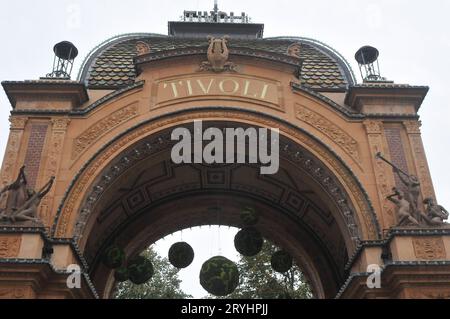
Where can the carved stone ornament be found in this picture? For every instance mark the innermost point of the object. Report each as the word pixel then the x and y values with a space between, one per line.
pixel 10 246
pixel 218 55
pixel 429 248
pixel 294 50
pixel 407 202
pixel 142 48
pixel 19 203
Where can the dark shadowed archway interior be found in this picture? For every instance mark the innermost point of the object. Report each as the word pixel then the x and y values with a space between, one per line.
pixel 145 197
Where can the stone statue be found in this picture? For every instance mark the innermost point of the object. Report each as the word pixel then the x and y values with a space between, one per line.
pixel 413 190
pixel 218 54
pixel 14 195
pixel 142 48
pixel 294 50
pixel 21 203
pixel 29 210
pixel 435 215
pixel 403 208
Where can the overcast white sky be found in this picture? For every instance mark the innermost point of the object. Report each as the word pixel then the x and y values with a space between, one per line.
pixel 412 36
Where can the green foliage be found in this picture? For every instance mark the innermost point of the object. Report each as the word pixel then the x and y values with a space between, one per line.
pixel 259 281
pixel 181 255
pixel 249 217
pixel 165 283
pixel 248 241
pixel 114 257
pixel 219 276
pixel 281 261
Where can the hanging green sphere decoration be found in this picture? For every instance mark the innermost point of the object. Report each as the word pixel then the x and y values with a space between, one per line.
pixel 121 274
pixel 181 255
pixel 219 276
pixel 114 257
pixel 249 217
pixel 248 242
pixel 140 270
pixel 281 261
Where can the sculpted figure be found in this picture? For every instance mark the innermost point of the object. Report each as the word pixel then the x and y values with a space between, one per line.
pixel 435 214
pixel 218 54
pixel 14 194
pixel 403 208
pixel 142 48
pixel 413 190
pixel 294 50
pixel 28 211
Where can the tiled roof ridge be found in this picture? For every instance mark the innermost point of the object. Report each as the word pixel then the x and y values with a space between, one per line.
pixel 109 64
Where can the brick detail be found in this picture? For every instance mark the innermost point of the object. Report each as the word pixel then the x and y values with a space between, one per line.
pixel 397 152
pixel 34 152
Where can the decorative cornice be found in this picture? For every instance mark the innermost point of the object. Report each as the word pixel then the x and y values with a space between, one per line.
pixel 46 88
pixel 18 123
pixel 82 112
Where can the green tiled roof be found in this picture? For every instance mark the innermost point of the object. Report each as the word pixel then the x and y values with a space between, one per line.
pixel 111 65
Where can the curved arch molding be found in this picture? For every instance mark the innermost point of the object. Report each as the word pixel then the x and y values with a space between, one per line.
pixel 71 204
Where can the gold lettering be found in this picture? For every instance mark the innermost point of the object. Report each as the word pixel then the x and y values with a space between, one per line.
pixel 189 86
pixel 264 91
pixel 246 87
pixel 205 91
pixel 174 88
pixel 222 89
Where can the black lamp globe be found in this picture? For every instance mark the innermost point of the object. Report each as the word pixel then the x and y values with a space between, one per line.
pixel 281 261
pixel 248 242
pixel 249 217
pixel 114 257
pixel 219 276
pixel 140 270
pixel 181 255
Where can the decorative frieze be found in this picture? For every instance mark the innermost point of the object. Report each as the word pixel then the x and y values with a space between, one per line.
pixel 429 248
pixel 328 128
pixel 10 246
pixel 384 178
pixel 100 128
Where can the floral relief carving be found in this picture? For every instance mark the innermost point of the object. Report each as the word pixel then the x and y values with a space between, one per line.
pixel 18 123
pixel 100 128
pixel 345 141
pixel 10 246
pixel 53 162
pixel 418 152
pixel 74 197
pixel 13 147
pixel 384 179
pixel 431 248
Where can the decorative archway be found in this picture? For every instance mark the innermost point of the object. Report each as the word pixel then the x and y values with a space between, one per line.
pixel 335 195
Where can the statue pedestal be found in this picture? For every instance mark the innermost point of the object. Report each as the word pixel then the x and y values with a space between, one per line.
pixel 34 266
pixel 410 263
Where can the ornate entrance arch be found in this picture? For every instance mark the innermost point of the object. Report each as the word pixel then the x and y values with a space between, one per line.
pixel 106 141
pixel 123 177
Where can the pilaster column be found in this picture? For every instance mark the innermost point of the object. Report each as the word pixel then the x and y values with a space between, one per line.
pixel 384 178
pixel 54 156
pixel 10 162
pixel 419 158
